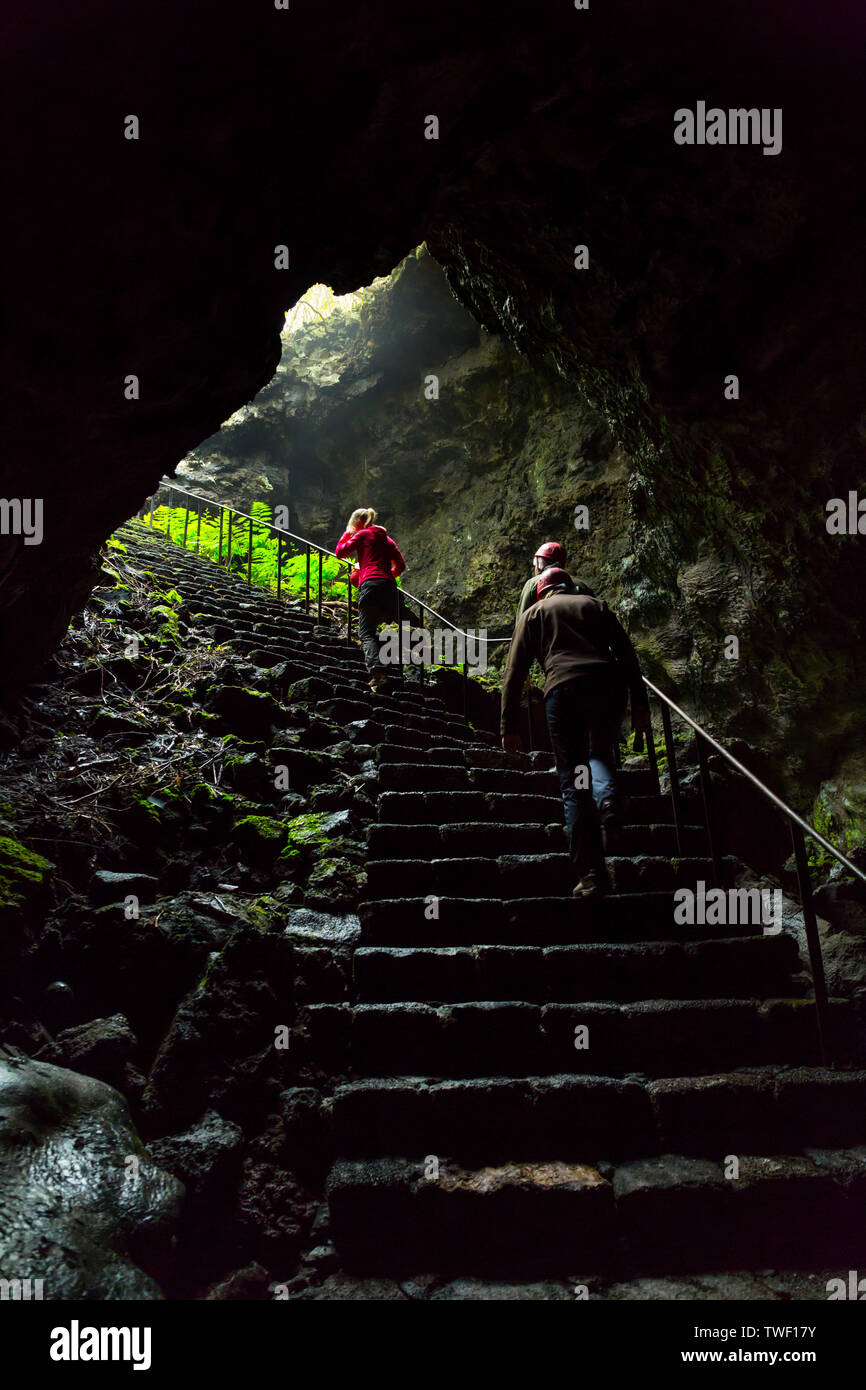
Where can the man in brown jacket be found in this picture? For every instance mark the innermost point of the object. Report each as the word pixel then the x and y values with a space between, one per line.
pixel 590 669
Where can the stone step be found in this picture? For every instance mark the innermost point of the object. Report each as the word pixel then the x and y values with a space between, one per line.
pixel 289 629
pixel 437 776
pixel 411 698
pixel 269 657
pixel 631 781
pixel 343 711
pixel 510 876
pixel 672 1213
pixel 406 734
pixel 411 808
pixel 530 875
pixel 434 920
pixel 582 1119
pixel 455 839
pixel 758 966
pixel 372 731
pixel 422 807
pixel 168 560
pixel 657 1038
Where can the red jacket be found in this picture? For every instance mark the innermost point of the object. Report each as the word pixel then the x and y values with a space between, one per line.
pixel 378 556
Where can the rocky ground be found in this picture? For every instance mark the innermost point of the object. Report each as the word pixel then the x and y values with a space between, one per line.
pixel 164 812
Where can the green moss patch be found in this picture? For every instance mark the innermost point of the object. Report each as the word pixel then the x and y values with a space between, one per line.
pixel 22 874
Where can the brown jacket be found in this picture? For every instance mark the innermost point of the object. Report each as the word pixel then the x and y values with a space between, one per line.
pixel 569 634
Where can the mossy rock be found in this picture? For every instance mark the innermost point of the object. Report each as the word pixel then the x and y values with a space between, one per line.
pixel 260 838
pixel 250 774
pixel 289 861
pixel 179 716
pixel 310 690
pixel 335 884
pixel 22 877
pixel 305 769
pixel 200 719
pixel 316 828
pixel 206 794
pixel 250 714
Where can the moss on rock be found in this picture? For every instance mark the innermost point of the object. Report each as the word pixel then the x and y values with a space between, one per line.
pixel 22 874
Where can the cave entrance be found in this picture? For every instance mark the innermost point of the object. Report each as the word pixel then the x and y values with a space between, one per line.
pixel 353 416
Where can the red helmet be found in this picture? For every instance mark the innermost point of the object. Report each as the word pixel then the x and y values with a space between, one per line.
pixel 552 553
pixel 552 577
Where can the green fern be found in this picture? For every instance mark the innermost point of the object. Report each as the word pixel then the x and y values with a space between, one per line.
pixel 262 559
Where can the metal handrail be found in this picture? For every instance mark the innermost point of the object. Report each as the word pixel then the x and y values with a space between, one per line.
pixel 756 781
pixel 323 549
pixel 798 826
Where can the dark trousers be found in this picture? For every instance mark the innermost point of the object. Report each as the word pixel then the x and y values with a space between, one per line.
pixel 583 720
pixel 379 601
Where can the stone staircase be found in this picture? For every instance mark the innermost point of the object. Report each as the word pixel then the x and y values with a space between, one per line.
pixel 540 1085
pixel 486 1132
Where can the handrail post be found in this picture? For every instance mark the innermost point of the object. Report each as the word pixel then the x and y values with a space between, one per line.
pixel 398 617
pixel 279 565
pixel 676 796
pixel 320 589
pixel 652 757
pixel 813 940
pixel 250 555
pixel 709 819
pixel 229 549
pixel 185 519
pixel 307 599
pixel 152 500
pixel 198 532
pixel 220 546
pixel 348 603
pixel 465 691
pixel 422 670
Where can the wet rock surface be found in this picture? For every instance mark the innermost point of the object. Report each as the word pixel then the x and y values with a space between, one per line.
pixel 80 1199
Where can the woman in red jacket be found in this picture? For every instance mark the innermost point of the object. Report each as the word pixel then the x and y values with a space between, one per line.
pixel 379 599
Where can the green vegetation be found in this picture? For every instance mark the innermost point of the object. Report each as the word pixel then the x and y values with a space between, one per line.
pixel 22 873
pixel 847 838
pixel 661 752
pixel 265 550
pixel 169 628
pixel 310 829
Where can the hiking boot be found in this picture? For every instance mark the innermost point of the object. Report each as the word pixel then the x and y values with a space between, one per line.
pixel 593 885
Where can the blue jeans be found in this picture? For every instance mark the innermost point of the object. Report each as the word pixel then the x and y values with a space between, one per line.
pixel 583 720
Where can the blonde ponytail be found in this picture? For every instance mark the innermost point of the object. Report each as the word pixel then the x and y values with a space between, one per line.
pixel 362 516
